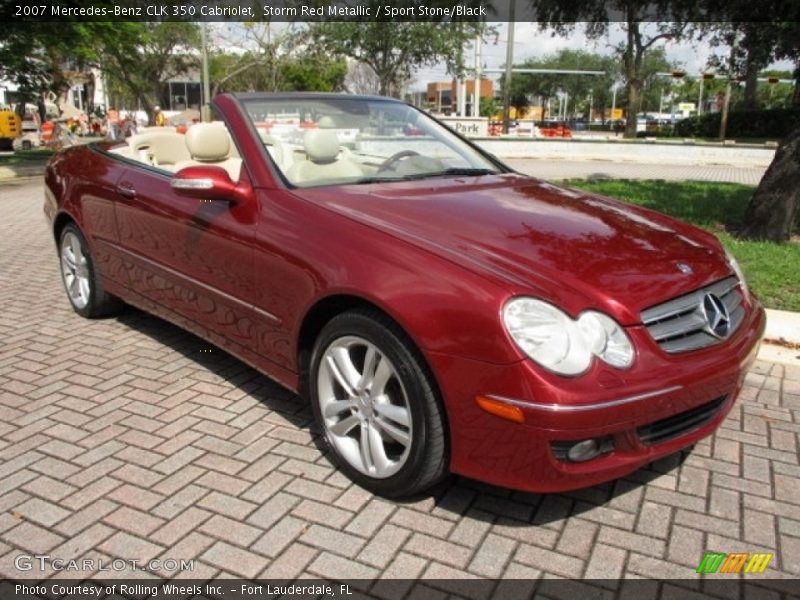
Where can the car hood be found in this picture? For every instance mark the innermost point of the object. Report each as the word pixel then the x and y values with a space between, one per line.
pixel 570 247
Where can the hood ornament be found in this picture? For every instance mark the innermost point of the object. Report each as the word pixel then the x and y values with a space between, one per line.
pixel 684 268
pixel 718 320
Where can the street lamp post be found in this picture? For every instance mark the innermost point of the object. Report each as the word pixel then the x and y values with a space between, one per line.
pixel 509 67
pixel 476 92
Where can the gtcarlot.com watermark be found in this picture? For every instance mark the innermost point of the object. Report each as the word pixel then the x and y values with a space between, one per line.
pixel 45 562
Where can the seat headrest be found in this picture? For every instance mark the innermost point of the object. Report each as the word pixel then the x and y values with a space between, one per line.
pixel 321 145
pixel 326 122
pixel 208 142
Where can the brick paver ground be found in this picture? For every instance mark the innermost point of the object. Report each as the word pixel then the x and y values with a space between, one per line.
pixel 127 438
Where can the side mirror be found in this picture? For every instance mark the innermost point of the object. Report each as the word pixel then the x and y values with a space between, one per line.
pixel 209 183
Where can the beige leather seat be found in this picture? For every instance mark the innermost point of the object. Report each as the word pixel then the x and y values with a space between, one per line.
pixel 160 147
pixel 275 147
pixel 210 144
pixel 324 161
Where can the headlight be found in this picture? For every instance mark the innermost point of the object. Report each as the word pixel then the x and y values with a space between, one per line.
pixel 739 274
pixel 563 345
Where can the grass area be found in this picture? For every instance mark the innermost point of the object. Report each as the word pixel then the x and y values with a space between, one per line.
pixel 24 156
pixel 772 270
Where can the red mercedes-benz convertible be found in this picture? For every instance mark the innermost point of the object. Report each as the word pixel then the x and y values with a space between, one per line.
pixel 440 312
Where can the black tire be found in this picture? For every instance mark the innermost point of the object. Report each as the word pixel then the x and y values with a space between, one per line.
pixel 425 457
pixel 96 302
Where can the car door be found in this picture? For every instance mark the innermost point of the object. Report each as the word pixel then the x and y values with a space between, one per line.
pixel 95 187
pixel 192 256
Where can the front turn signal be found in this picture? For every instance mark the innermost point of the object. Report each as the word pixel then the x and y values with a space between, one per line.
pixel 501 409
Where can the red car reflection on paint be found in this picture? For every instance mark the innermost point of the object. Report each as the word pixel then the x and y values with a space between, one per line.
pixel 440 312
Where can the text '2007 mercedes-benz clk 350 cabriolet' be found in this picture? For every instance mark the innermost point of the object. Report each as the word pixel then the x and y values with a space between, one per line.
pixel 440 312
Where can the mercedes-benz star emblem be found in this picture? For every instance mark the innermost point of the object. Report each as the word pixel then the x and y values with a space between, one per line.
pixel 718 321
pixel 684 268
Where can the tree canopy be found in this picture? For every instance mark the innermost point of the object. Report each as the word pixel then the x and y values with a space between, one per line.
pixel 45 57
pixel 274 60
pixel 393 49
pixel 646 24
pixel 585 92
pixel 139 56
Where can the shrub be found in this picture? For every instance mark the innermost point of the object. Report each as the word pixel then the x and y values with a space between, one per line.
pixel 773 124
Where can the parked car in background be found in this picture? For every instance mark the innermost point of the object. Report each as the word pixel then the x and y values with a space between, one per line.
pixel 440 312
pixel 554 129
pixel 30 138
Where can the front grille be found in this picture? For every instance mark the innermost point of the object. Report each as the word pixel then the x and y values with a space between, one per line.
pixel 680 424
pixel 680 325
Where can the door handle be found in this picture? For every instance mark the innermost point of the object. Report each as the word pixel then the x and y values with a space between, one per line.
pixel 126 190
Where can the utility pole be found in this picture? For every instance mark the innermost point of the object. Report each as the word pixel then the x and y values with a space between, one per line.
pixel 205 109
pixel 476 93
pixel 509 67
pixel 700 97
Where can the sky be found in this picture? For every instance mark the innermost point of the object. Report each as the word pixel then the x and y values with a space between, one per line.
pixel 529 42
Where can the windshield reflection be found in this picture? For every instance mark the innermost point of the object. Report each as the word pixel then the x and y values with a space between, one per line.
pixel 349 140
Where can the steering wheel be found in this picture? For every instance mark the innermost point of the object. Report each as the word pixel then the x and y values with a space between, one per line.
pixel 384 166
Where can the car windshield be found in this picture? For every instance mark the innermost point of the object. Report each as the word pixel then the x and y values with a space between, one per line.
pixel 351 140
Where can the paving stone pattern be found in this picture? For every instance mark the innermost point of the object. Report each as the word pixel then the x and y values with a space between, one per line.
pixel 127 438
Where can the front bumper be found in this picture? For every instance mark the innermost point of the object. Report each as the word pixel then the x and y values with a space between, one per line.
pixel 660 406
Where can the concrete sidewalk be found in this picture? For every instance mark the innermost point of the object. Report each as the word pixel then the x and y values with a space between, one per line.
pixel 782 338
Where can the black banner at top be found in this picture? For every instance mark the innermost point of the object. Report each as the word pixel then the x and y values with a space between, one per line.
pixel 378 10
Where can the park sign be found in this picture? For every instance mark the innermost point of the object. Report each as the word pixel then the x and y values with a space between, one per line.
pixel 468 126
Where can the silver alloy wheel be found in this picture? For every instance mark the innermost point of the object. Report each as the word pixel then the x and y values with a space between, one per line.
pixel 364 407
pixel 75 270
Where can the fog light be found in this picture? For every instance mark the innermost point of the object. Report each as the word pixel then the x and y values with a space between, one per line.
pixel 583 450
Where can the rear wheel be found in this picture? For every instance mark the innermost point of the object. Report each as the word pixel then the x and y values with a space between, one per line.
pixel 376 405
pixel 82 283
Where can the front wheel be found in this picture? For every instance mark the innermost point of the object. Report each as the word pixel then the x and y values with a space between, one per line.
pixel 376 405
pixel 82 283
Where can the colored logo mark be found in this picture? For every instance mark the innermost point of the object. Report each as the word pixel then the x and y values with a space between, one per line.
pixel 720 562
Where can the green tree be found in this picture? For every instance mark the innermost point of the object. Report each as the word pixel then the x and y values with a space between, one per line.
pixel 583 91
pixel 654 83
pixel 771 30
pixel 313 71
pixel 44 57
pixel 488 107
pixel 645 24
pixel 139 57
pixel 258 66
pixel 586 92
pixel 755 33
pixel 309 70
pixel 772 211
pixel 393 49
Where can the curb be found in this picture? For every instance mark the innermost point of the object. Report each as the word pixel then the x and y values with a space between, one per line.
pixel 783 325
pixel 781 341
pixel 20 171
